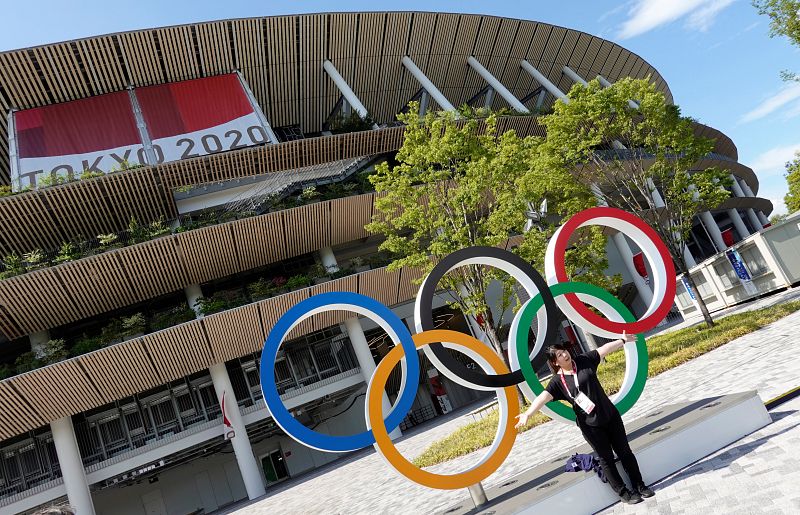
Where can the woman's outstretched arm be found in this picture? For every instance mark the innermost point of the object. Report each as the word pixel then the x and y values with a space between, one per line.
pixel 542 399
pixel 615 345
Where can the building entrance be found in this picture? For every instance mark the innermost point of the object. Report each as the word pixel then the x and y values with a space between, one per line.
pixel 274 466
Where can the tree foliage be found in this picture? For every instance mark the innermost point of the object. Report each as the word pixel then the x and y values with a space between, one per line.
pixel 784 21
pixel 792 198
pixel 458 183
pixel 624 150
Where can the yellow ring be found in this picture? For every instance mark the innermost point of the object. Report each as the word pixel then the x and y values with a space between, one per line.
pixel 384 444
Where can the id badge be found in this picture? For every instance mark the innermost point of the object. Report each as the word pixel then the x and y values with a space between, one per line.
pixel 584 402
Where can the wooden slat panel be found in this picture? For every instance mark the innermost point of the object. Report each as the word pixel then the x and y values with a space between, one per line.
pixel 61 71
pixel 368 59
pixel 82 208
pixel 180 351
pixel 341 52
pixel 260 240
pixel 208 253
pixel 310 228
pixel 283 62
pixel 104 69
pixel 141 57
pixel 235 333
pixel 348 218
pixel 251 59
pixel 97 284
pixel 380 284
pixel 272 309
pixel 26 224
pixel 37 300
pixel 394 48
pixel 331 318
pixel 407 289
pixel 18 415
pixel 127 360
pixel 215 48
pixel 177 51
pixel 313 35
pixel 45 389
pixel 20 80
pixel 154 269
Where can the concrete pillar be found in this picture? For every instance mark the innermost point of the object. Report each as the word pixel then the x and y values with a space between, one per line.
pixel 424 100
pixel 497 85
pixel 193 292
pixel 738 223
pixel 751 214
pixel 569 72
pixel 38 340
pixel 749 192
pixel 544 81
pixel 432 90
pixel 603 82
pixel 71 464
pixel 361 348
pixel 627 257
pixel 328 259
pixel 713 230
pixel 347 93
pixel 248 466
pixel 488 99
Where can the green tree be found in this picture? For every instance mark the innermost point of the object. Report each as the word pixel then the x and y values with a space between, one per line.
pixel 784 21
pixel 624 152
pixel 792 198
pixel 459 184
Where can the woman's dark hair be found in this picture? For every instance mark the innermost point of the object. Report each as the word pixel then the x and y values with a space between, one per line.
pixel 552 352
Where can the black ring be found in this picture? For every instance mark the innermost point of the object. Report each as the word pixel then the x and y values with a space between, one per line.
pixel 428 290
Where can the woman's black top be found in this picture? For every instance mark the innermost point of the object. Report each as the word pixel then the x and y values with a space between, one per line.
pixel 603 410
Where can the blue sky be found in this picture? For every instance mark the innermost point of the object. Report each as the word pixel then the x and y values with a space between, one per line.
pixel 721 66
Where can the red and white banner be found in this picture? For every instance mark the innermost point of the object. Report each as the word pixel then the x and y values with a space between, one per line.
pixel 199 117
pixel 227 428
pixel 95 134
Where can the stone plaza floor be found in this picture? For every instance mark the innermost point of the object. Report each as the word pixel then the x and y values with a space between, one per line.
pixel 756 474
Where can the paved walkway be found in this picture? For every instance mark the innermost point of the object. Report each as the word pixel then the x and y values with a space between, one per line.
pixel 763 360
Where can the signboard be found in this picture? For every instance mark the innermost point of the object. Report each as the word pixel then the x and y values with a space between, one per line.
pixel 199 117
pixel 94 134
pixel 741 271
pixel 149 125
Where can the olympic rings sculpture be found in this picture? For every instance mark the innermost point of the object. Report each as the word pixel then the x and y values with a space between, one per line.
pixel 545 300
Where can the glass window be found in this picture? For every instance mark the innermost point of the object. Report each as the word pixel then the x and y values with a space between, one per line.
pixel 754 260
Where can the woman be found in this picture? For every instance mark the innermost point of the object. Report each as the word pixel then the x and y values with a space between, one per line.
pixel 597 417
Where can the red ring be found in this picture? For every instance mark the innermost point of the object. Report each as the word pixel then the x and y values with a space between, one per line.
pixel 560 248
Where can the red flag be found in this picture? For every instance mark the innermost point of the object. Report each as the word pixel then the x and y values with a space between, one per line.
pixel 727 237
pixel 227 427
pixel 638 264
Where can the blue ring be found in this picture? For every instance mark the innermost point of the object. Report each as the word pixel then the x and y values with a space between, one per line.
pixel 285 419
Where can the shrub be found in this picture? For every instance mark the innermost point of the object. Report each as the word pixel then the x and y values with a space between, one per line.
pixel 52 351
pixel 27 362
pixel 261 289
pixel 86 344
pixel 5 191
pixel 133 325
pixel 68 252
pixel 108 241
pixel 137 233
pixel 13 265
pixel 34 259
pixel 172 317
pixel 296 282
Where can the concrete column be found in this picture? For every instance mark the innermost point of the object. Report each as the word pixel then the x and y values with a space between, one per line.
pixel 360 346
pixel 248 466
pixel 38 340
pixel 423 103
pixel 432 90
pixel 544 81
pixel 627 257
pixel 488 99
pixel 497 85
pixel 328 259
pixel 569 72
pixel 347 93
pixel 69 459
pixel 540 100
pixel 193 292
pixel 738 223
pixel 751 214
pixel 605 84
pixel 749 192
pixel 713 230
pixel 688 258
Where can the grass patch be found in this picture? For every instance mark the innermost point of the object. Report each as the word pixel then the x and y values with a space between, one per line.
pixel 665 351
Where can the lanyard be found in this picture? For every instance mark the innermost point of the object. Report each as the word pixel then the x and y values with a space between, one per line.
pixel 564 382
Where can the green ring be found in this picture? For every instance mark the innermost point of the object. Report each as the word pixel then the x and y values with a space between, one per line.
pixel 529 311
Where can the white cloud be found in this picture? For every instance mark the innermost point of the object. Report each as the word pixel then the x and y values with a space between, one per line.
pixel 781 98
pixel 646 15
pixel 772 162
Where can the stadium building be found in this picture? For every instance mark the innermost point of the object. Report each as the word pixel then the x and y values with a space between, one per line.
pixel 173 191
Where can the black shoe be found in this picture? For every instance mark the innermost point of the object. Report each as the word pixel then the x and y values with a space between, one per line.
pixel 629 497
pixel 644 491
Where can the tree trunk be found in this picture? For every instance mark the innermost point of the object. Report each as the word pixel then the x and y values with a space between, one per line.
pixel 488 328
pixel 699 298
